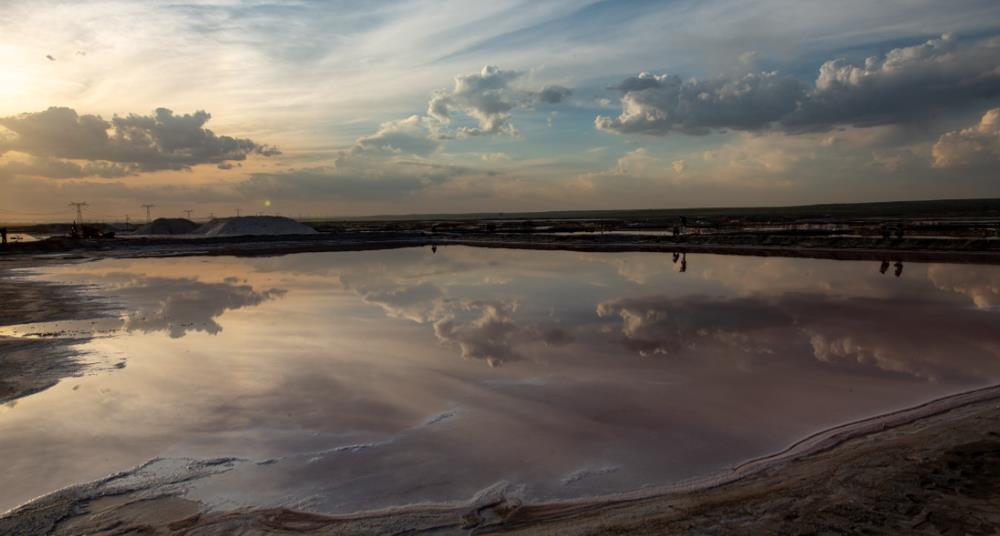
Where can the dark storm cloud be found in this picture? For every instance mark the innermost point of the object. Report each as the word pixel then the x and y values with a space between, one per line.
pixel 906 84
pixel 159 141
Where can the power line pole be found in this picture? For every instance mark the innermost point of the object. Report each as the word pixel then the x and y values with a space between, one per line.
pixel 147 207
pixel 237 213
pixel 79 211
pixel 188 212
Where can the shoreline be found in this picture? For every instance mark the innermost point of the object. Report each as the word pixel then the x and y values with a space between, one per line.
pixel 966 251
pixel 491 510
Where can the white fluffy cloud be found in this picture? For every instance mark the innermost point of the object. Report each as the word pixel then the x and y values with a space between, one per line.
pixel 906 84
pixel 978 144
pixel 413 135
pixel 489 97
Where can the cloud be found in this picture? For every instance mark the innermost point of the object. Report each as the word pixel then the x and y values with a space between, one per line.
pixel 159 141
pixel 489 97
pixel 553 94
pixel 907 84
pixel 350 177
pixel 413 135
pixel 980 285
pixel 656 325
pixel 978 144
pixel 179 305
pixel 679 166
pixel 493 336
pixel 54 168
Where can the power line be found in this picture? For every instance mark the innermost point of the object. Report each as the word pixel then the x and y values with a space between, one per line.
pixel 79 211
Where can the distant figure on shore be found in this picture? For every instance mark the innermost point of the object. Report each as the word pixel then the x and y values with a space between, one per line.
pixel 3 235
pixel 885 231
pixel 884 268
pixel 677 231
pixel 899 268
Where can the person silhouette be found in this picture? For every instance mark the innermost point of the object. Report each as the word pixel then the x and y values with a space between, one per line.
pixel 3 235
pixel 684 263
pixel 434 248
pixel 898 268
pixel 676 256
pixel 884 268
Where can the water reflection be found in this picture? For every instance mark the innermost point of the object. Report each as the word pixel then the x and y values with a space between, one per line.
pixel 363 379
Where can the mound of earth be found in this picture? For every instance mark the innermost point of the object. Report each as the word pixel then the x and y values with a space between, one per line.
pixel 167 226
pixel 254 225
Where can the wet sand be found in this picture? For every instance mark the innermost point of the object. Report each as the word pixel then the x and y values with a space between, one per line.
pixel 29 365
pixel 931 469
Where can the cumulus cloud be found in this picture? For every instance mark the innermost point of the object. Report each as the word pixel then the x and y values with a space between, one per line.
pixel 489 97
pixel 980 285
pixel 656 325
pixel 413 135
pixel 906 84
pixel 978 144
pixel 179 305
pixel 131 143
pixel 553 94
pixel 493 336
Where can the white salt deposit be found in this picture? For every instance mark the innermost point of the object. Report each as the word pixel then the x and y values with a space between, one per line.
pixel 254 225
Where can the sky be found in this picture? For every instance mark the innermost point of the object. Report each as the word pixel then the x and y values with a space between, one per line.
pixel 351 108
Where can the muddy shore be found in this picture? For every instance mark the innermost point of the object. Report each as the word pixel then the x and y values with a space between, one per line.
pixel 932 469
pixel 29 365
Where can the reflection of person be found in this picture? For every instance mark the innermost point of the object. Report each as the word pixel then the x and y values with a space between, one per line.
pixel 434 248
pixel 676 256
pixel 899 268
pixel 885 267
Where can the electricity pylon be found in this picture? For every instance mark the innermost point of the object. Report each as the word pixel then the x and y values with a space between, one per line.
pixel 79 211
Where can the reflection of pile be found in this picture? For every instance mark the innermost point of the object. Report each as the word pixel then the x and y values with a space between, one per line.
pixel 254 225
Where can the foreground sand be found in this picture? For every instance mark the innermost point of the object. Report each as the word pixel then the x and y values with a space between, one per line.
pixel 933 469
